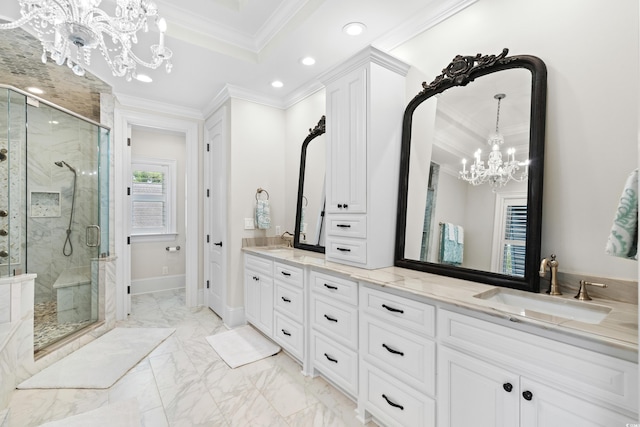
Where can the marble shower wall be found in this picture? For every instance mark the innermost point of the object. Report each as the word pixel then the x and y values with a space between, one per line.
pixel 56 136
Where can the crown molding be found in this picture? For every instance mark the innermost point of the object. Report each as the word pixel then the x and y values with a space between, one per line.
pixel 133 102
pixel 236 92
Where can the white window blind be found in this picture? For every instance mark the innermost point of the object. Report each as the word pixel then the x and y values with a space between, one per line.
pixel 515 239
pixel 152 197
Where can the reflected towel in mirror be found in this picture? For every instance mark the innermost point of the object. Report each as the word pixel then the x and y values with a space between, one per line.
pixel 451 243
pixel 623 239
pixel 263 214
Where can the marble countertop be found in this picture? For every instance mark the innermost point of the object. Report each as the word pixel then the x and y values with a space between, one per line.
pixel 618 330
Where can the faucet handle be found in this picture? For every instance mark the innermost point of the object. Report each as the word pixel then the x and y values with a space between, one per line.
pixel 582 292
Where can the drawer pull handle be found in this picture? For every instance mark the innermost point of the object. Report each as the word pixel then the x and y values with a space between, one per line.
pixel 284 273
pixel 284 331
pixel 527 395
pixel 256 278
pixel 339 205
pixel 330 359
pixel 343 225
pixel 507 387
pixel 344 249
pixel 391 309
pixel 391 350
pixel 346 206
pixel 330 319
pixel 330 287
pixel 395 405
pixel 285 299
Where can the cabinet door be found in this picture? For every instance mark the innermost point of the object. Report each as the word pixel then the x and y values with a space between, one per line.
pixel 259 301
pixel 266 305
pixel 548 407
pixel 252 296
pixel 346 129
pixel 475 393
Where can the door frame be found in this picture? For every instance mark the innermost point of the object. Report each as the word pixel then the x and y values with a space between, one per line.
pixel 219 117
pixel 123 120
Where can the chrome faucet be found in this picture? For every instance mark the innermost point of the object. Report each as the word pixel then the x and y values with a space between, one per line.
pixel 554 288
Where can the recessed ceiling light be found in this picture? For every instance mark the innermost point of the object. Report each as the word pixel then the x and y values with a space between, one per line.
pixel 35 90
pixel 308 60
pixel 143 78
pixel 277 84
pixel 354 28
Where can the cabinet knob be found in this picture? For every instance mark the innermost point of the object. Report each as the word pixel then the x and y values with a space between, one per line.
pixel 507 387
pixel 339 205
pixel 346 206
pixel 527 395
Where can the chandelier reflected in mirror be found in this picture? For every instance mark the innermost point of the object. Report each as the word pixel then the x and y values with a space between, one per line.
pixel 70 30
pixel 497 172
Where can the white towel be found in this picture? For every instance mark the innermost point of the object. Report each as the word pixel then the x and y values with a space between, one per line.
pixel 460 231
pixel 623 239
pixel 263 215
pixel 451 229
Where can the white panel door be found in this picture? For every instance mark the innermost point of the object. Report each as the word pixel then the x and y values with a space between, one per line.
pixel 216 218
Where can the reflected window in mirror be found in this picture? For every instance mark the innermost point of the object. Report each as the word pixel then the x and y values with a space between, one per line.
pixel 310 220
pixel 478 219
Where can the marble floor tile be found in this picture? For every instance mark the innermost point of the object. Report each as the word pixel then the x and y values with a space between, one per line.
pixel 183 382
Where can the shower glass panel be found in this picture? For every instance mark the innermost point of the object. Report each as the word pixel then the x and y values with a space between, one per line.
pixel 55 189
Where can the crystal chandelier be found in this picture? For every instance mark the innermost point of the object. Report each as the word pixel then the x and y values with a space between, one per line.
pixel 497 172
pixel 70 30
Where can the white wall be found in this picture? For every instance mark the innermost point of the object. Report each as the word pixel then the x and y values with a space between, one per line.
pixel 148 258
pixel 591 52
pixel 256 159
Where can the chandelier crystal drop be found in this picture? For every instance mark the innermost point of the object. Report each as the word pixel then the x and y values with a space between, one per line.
pixel 497 172
pixel 70 30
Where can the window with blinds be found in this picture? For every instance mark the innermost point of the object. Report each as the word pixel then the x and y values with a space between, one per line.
pixel 152 197
pixel 515 239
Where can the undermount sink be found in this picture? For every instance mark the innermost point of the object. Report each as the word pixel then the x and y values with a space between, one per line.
pixel 526 303
pixel 278 249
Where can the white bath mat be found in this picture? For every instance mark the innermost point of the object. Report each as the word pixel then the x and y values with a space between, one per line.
pixel 121 414
pixel 102 362
pixel 242 345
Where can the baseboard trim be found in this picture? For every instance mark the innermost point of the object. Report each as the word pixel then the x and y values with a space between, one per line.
pixel 155 284
pixel 234 317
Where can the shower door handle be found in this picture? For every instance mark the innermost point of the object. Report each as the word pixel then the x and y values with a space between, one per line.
pixel 95 242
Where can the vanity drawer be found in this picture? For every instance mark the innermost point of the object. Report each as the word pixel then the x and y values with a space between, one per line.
pixel 289 300
pixel 336 362
pixel 336 320
pixel 258 264
pixel 290 335
pixel 288 274
pixel 350 250
pixel 335 287
pixel 347 225
pixel 407 356
pixel 394 403
pixel 414 315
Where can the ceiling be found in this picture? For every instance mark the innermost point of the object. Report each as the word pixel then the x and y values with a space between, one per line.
pixel 246 44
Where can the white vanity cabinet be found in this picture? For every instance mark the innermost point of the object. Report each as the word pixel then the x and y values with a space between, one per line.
pixel 289 302
pixel 334 329
pixel 258 292
pixel 365 98
pixel 397 359
pixel 491 375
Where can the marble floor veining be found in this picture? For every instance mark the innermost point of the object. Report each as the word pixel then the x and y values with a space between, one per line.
pixel 183 382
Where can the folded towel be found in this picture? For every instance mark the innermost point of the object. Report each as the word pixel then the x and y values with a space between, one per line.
pixel 623 239
pixel 263 215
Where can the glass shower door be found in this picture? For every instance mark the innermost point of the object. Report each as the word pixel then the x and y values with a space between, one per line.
pixel 63 216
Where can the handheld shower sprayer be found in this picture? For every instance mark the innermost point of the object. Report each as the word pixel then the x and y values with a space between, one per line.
pixel 65 251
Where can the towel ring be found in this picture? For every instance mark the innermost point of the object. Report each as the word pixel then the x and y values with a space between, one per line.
pixel 260 190
pixel 306 202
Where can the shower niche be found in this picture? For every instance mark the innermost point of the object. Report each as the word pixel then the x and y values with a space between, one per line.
pixel 54 188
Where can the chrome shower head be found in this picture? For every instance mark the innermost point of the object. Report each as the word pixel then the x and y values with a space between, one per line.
pixel 63 163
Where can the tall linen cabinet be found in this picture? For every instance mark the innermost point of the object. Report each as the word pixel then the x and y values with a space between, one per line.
pixel 365 101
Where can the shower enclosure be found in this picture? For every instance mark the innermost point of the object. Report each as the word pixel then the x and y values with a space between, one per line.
pixel 53 209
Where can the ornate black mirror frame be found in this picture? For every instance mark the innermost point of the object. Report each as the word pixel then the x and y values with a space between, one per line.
pixel 460 72
pixel 313 133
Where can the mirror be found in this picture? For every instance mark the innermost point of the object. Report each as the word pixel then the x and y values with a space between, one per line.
pixel 472 221
pixel 310 228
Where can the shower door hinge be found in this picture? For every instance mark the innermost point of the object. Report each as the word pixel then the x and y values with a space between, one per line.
pixel 207 192
pixel 207 238
pixel 128 240
pixel 207 284
pixel 208 147
pixel 128 142
pixel 128 290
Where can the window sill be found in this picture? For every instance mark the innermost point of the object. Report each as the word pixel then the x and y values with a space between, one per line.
pixel 165 237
